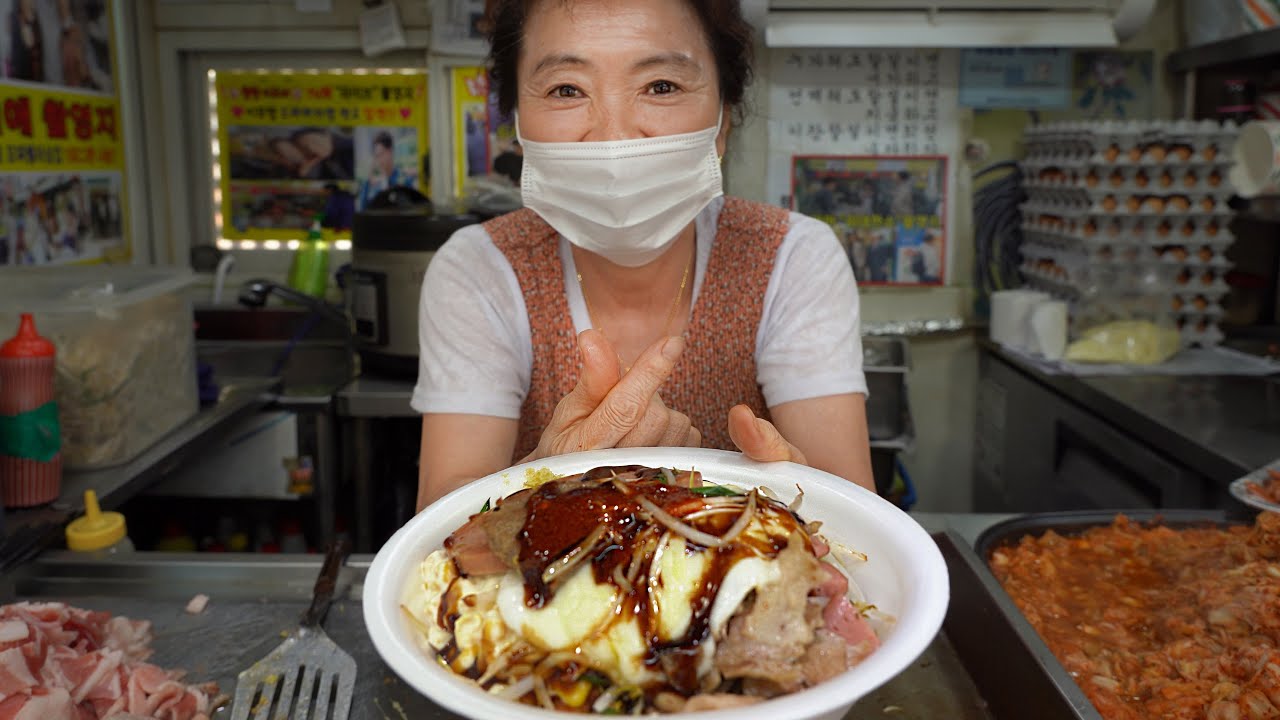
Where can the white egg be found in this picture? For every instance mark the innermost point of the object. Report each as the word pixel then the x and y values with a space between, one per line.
pixel 579 607
pixel 620 651
pixel 674 584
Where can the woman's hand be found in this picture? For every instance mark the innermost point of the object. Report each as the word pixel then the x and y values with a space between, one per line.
pixel 608 409
pixel 758 439
pixel 832 430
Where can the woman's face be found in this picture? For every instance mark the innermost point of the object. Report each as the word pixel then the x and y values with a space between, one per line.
pixel 596 70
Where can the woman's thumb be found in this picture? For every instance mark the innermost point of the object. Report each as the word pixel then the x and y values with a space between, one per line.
pixel 601 369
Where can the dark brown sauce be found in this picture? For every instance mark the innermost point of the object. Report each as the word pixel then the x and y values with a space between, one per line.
pixel 562 514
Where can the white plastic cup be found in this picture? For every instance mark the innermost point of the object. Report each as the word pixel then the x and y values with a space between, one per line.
pixel 1010 317
pixel 1257 159
pixel 1049 329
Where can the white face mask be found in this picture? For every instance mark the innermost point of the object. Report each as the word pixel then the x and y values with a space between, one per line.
pixel 625 200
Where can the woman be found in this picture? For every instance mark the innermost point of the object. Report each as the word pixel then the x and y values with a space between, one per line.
pixel 629 304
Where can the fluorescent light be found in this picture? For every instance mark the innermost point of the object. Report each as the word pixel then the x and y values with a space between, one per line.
pixel 921 28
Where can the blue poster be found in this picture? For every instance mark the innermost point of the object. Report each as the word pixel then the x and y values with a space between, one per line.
pixel 1024 78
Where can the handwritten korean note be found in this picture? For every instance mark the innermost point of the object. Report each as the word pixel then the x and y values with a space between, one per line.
pixel 865 101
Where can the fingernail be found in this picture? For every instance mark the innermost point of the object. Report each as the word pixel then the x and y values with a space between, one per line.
pixel 672 348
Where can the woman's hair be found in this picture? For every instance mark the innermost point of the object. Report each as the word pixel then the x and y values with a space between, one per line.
pixel 729 36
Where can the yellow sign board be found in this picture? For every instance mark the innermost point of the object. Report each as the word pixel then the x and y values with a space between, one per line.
pixel 296 147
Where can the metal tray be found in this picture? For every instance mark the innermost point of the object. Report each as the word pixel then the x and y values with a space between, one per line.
pixel 1011 665
pixel 1014 670
pixel 1077 521
pixel 257 599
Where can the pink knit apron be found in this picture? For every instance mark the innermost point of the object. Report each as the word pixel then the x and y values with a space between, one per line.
pixel 718 368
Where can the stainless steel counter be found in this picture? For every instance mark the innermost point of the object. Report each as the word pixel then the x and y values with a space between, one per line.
pixel 375 397
pixel 1219 426
pixel 28 531
pixel 255 600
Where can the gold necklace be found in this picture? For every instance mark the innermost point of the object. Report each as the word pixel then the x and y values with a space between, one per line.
pixel 671 314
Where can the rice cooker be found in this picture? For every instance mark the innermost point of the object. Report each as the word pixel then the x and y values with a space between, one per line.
pixel 392 242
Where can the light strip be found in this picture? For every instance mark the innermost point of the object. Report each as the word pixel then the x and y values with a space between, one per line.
pixel 215 152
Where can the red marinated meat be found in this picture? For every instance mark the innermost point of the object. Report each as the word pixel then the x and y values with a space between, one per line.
pixel 73 664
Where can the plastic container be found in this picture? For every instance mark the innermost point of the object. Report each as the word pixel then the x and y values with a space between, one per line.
pixel 309 270
pixel 98 532
pixel 126 354
pixel 30 439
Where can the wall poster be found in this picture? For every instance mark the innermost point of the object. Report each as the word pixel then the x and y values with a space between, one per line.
pixel 484 139
pixel 296 146
pixel 889 211
pixel 862 139
pixel 62 189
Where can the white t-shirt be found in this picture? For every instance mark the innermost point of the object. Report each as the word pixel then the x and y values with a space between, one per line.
pixel 476 351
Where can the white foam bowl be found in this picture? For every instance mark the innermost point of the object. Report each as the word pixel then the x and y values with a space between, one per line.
pixel 904 576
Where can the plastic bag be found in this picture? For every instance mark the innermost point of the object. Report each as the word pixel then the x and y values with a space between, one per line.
pixel 1127 342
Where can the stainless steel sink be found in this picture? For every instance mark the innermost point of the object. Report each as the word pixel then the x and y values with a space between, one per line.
pixel 274 322
pixel 306 354
pixel 307 369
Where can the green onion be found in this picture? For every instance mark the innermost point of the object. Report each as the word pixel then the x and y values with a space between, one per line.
pixel 485 508
pixel 595 678
pixel 714 491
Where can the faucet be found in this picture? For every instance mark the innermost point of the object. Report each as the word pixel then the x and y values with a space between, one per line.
pixel 254 293
pixel 225 263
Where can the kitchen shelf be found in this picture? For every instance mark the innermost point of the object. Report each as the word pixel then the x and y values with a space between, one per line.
pixel 1240 49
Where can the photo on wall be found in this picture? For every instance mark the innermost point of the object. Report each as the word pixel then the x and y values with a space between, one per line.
pixel 275 207
pixel 59 218
pixel 385 157
pixel 62 43
pixel 285 152
pixel 485 145
pixel 888 211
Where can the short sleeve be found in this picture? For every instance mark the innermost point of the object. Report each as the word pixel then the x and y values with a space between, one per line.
pixel 473 331
pixel 810 343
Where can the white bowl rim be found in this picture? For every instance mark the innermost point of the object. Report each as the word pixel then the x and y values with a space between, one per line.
pixel 462 696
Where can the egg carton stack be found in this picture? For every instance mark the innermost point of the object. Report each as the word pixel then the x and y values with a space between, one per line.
pixel 1128 221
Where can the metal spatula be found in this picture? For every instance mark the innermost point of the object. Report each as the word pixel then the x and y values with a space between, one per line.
pixel 307 677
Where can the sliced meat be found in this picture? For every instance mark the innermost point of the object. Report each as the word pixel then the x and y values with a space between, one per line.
pixel 824 658
pixel 13 631
pixel 503 525
pixel 81 665
pixel 488 542
pixel 15 676
pixel 469 548
pixel 767 640
pixel 820 546
pixel 41 704
pixel 836 585
pixel 841 618
pixel 132 637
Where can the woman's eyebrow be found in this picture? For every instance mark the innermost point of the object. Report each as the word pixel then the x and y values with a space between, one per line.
pixel 558 60
pixel 673 59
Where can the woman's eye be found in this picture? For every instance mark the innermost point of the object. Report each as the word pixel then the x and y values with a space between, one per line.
pixel 565 91
pixel 662 87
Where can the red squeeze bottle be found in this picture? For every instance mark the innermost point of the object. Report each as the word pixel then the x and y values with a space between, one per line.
pixel 30 438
